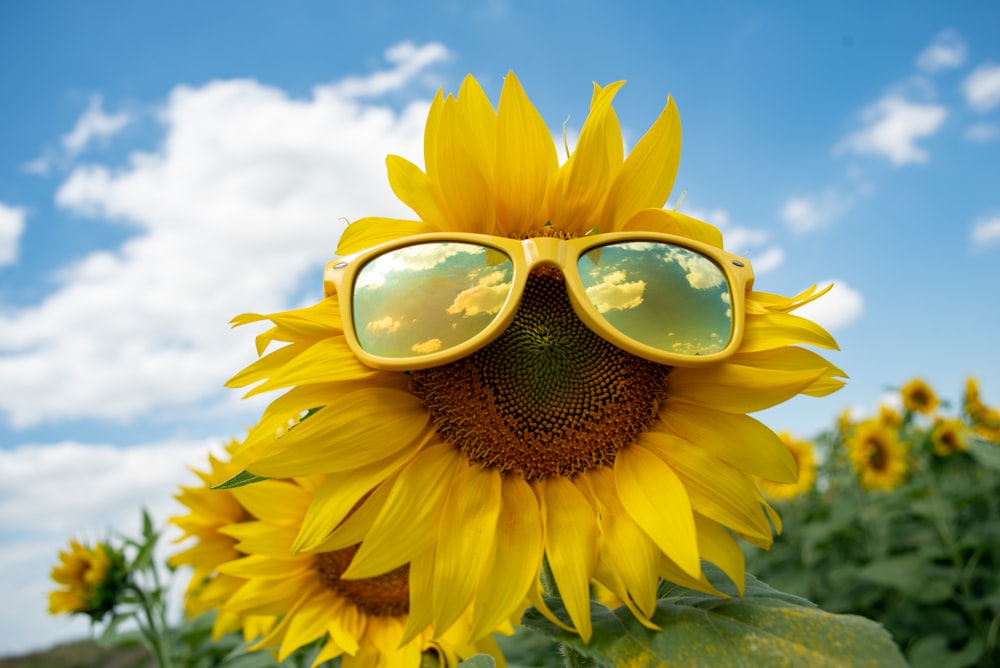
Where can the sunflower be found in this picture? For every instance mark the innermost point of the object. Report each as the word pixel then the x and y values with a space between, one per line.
pixel 918 397
pixel 362 621
pixel 878 456
pixel 948 436
pixel 609 466
pixel 209 511
pixel 92 580
pixel 805 460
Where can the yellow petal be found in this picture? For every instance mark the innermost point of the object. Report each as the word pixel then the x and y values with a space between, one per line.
pixel 415 189
pixel 672 222
pixel 268 567
pixel 422 593
pixel 656 500
pixel 628 557
pixel 647 176
pixel 363 427
pixel 774 329
pixel 734 388
pixel 431 129
pixel 516 559
pixel 407 522
pixel 340 492
pixel 276 502
pixel 716 489
pixel 481 121
pixel 468 530
pixel 526 157
pixel 577 190
pixel 571 543
pixel 261 538
pixel 306 623
pixel 327 360
pixel 718 546
pixel 737 439
pixel 356 526
pixel 367 232
pixel 465 183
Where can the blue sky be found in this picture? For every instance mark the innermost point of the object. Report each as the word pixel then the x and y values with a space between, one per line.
pixel 166 166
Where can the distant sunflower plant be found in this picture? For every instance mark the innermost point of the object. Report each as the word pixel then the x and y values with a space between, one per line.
pixel 560 448
pixel 901 527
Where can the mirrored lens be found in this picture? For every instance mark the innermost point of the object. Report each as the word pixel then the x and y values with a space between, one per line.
pixel 427 297
pixel 660 294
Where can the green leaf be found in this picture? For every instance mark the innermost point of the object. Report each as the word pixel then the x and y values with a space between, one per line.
pixel 238 480
pixel 932 652
pixel 904 572
pixel 985 452
pixel 479 661
pixel 764 628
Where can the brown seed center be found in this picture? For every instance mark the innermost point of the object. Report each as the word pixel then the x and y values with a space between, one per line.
pixel 549 397
pixel 386 595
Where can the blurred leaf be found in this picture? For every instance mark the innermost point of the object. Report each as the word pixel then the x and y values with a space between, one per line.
pixel 772 627
pixel 932 652
pixel 479 661
pixel 985 452
pixel 528 647
pixel 904 572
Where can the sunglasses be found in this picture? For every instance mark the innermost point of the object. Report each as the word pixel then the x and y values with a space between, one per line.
pixel 430 299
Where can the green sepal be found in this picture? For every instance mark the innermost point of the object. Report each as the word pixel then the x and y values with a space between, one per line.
pixel 239 480
pixel 765 627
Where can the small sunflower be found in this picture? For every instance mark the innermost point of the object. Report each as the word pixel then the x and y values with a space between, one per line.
pixel 889 416
pixel 878 456
pixel 918 397
pixel 92 580
pixel 362 621
pixel 610 466
pixel 948 436
pixel 209 511
pixel 805 460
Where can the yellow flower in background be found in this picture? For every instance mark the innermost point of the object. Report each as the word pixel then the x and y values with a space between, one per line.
pixel 91 580
pixel 361 621
pixel 878 456
pixel 948 436
pixel 550 441
pixel 918 397
pixel 805 459
pixel 209 511
pixel 889 416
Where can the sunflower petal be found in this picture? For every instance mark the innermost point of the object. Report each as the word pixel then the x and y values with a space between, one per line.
pixel 274 501
pixel 656 500
pixel 647 176
pixel 466 186
pixel 739 440
pixel 469 523
pixel 775 329
pixel 735 388
pixel 308 622
pixel 517 553
pixel 718 546
pixel 673 222
pixel 414 189
pixel 406 524
pixel 365 426
pixel 627 553
pixel 716 489
pixel 526 157
pixel 371 231
pixel 571 543
pixel 422 593
pixel 327 360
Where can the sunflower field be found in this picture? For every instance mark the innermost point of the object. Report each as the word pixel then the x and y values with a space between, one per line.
pixel 900 522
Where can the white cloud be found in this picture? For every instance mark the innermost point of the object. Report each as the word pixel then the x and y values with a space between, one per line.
pixel 836 309
pixel 805 213
pixel 52 493
pixel 11 229
pixel 243 200
pixel 93 125
pixel 982 132
pixel 946 51
pixel 769 260
pixel 892 127
pixel 409 59
pixel 982 87
pixel 741 240
pixel 986 230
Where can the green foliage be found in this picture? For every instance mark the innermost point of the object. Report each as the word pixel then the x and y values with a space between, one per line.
pixel 765 626
pixel 922 557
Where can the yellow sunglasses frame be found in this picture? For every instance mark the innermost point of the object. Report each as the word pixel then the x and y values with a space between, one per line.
pixel 526 254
